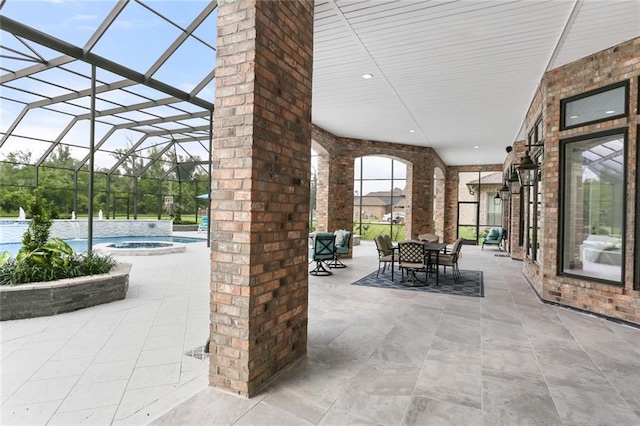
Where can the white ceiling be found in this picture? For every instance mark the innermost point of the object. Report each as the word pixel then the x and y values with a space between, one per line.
pixel 459 73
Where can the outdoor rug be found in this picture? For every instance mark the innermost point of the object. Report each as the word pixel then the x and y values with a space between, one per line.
pixel 470 284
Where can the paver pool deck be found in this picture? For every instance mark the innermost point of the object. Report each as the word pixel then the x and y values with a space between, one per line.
pixel 375 356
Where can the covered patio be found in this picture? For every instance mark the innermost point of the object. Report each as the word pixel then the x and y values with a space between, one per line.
pixel 375 356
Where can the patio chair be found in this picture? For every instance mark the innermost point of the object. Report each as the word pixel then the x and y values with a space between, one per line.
pixel 343 239
pixel 385 254
pixel 204 224
pixel 411 257
pixel 389 242
pixel 494 238
pixel 451 259
pixel 323 251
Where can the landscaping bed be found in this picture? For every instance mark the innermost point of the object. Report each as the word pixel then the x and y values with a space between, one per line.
pixel 66 295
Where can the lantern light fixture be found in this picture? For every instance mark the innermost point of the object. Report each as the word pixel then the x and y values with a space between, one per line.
pixel 514 182
pixel 504 191
pixel 527 170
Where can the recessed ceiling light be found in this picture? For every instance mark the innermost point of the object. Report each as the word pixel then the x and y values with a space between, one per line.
pixel 476 147
pixel 412 131
pixel 573 116
pixel 367 76
pixel 609 112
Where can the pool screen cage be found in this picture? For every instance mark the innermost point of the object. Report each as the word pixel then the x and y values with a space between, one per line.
pixel 104 106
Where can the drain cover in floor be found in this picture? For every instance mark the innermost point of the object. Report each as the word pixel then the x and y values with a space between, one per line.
pixel 197 352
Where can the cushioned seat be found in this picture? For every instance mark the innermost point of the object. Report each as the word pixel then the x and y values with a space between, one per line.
pixel 411 258
pixel 451 259
pixel 343 239
pixel 494 238
pixel 204 224
pixel 385 253
pixel 323 251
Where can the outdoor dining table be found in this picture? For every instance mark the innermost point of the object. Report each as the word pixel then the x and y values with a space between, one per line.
pixel 430 248
pixel 434 248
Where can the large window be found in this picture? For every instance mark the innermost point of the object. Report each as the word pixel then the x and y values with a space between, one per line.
pixel 593 206
pixel 379 198
pixel 533 194
pixel 636 278
pixel 595 106
pixel 477 208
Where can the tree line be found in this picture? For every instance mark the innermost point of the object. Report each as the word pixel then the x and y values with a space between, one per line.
pixel 141 186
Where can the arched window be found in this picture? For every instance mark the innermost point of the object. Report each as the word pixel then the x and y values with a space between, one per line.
pixel 379 197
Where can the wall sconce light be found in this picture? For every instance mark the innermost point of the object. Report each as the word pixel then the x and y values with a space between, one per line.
pixel 514 182
pixel 504 191
pixel 527 170
pixel 497 200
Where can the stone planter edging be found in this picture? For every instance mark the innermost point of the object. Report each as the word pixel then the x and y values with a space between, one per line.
pixel 56 297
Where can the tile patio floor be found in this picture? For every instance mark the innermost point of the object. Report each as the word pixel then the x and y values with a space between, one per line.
pixel 375 356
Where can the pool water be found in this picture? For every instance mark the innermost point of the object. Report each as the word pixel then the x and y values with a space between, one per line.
pixel 80 245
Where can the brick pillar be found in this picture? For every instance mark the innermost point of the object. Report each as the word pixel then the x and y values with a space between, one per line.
pixel 340 196
pixel 419 199
pixel 260 196
pixel 322 193
pixel 438 207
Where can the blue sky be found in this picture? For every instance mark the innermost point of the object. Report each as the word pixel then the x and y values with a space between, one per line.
pixel 136 39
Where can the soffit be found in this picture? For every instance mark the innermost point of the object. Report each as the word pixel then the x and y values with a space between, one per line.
pixel 458 73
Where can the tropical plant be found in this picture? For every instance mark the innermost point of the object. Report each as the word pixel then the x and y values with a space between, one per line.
pixel 37 233
pixel 43 259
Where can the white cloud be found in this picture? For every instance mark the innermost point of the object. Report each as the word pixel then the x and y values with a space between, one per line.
pixel 83 17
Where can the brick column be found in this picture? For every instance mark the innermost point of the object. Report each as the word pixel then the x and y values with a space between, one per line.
pixel 260 196
pixel 322 193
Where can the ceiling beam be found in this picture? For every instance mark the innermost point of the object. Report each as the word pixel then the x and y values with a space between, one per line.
pixel 21 30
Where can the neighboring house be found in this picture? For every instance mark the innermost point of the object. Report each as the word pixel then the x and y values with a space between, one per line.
pixel 378 203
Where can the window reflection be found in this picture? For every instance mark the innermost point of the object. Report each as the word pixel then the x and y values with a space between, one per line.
pixel 593 207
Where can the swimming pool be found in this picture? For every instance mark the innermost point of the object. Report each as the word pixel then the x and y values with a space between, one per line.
pixel 80 245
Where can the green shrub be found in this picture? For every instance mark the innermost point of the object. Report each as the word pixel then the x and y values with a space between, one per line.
pixel 37 233
pixel 44 259
pixel 53 265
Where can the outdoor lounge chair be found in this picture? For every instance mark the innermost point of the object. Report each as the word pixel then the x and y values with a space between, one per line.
pixel 204 224
pixel 323 251
pixel 411 258
pixel 494 238
pixel 343 239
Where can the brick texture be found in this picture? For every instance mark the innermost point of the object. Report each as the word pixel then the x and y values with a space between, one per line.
pixel 260 196
pixel 610 66
pixel 336 157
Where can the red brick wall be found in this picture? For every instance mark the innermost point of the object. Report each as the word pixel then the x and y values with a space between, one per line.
pixel 260 197
pixel 336 210
pixel 515 228
pixel 610 66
